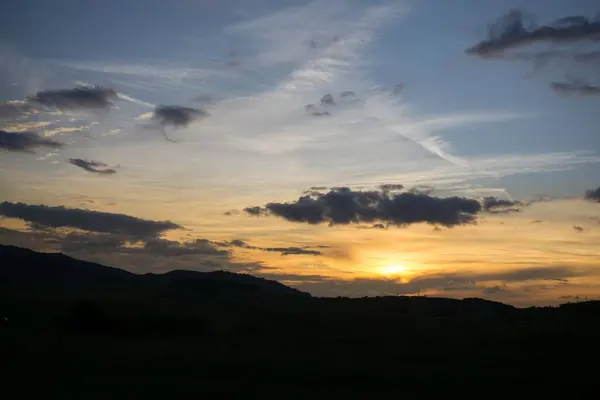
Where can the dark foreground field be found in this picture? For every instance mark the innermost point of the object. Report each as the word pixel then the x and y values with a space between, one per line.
pixel 122 336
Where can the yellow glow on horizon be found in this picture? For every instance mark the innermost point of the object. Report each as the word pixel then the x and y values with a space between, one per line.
pixel 393 269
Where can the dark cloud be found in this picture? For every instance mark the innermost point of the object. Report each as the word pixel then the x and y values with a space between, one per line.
pixel 347 93
pixel 79 98
pixel 25 141
pixel 254 210
pixel 495 205
pixel 176 117
pixel 575 89
pixel 578 229
pixel 80 241
pixel 388 187
pixel 147 255
pixel 327 100
pixel 516 29
pixel 537 221
pixel 496 289
pixel 168 248
pixel 285 251
pixel 13 110
pixel 374 226
pixel 345 206
pixel 93 221
pixel 593 195
pixel 92 166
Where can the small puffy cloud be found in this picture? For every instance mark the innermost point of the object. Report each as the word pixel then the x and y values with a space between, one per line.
pixel 92 166
pixel 174 117
pixel 327 100
pixel 177 116
pixel 593 195
pixel 88 220
pixel 345 206
pixel 79 98
pixel 25 141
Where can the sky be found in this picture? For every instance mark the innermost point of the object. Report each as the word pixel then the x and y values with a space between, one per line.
pixel 342 147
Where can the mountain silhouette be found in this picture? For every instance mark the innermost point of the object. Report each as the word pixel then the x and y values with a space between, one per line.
pixel 27 269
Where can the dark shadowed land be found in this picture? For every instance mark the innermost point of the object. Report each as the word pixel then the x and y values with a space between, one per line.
pixel 73 329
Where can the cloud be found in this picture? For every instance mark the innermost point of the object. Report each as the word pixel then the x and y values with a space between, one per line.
pixel 496 289
pixel 168 248
pixel 131 99
pixel 285 251
pixel 112 132
pixel 422 189
pixel 79 98
pixel 465 282
pixel 14 110
pixel 174 117
pixel 149 255
pixel 93 221
pixel 24 141
pixel 177 116
pixel 575 89
pixel 92 166
pixel 593 195
pixel 517 29
pixel 389 187
pixel 345 206
pixel 496 205
pixel 578 229
pixel 514 30
pixel 155 76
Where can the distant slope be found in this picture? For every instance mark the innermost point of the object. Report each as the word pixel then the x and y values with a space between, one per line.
pixel 22 268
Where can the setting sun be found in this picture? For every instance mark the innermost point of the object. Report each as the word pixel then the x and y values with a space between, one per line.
pixel 392 269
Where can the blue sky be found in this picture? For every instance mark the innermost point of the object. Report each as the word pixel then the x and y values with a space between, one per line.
pixel 465 125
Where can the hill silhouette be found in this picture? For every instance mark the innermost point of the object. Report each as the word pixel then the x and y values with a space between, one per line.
pixel 84 330
pixel 23 268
